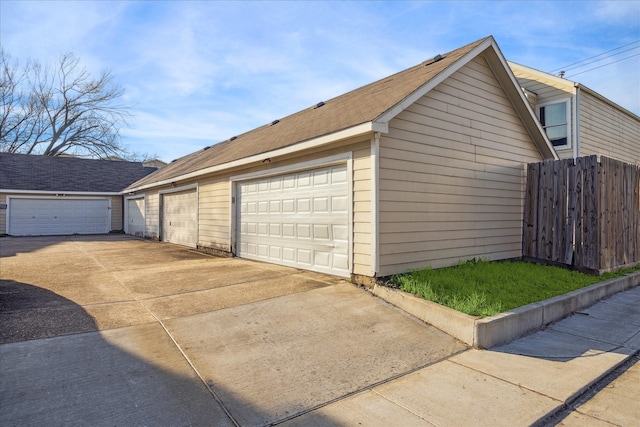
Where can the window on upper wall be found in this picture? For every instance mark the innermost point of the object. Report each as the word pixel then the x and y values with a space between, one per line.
pixel 555 122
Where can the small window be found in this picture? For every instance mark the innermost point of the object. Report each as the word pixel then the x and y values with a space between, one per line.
pixel 553 118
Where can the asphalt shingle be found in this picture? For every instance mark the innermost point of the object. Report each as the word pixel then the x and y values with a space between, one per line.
pixel 359 106
pixel 47 173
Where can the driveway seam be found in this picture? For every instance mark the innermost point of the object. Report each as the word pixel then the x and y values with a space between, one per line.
pixel 175 343
pixel 402 406
pixel 211 289
pixel 369 387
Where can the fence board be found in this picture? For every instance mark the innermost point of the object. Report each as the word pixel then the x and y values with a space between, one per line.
pixel 529 242
pixel 590 222
pixel 573 190
pixel 582 212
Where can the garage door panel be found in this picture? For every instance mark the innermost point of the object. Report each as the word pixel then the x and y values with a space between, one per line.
pixel 42 216
pixel 136 217
pixel 180 218
pixel 299 219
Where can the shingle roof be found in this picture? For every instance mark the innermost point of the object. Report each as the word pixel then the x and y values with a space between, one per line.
pixel 345 111
pixel 47 173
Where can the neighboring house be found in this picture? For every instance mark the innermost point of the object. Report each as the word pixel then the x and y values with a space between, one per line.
pixel 579 121
pixel 424 167
pixel 44 195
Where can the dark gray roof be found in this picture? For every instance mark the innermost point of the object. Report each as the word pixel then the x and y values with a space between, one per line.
pixel 47 173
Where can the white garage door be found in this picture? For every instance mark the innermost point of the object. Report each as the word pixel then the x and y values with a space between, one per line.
pixel 179 218
pixel 299 219
pixel 45 217
pixel 135 217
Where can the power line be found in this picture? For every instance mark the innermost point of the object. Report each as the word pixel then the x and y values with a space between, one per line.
pixel 595 68
pixel 588 59
pixel 601 59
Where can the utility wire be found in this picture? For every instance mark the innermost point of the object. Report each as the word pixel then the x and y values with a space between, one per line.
pixel 600 54
pixel 601 59
pixel 595 68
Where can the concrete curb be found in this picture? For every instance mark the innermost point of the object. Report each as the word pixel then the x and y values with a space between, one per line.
pixel 486 332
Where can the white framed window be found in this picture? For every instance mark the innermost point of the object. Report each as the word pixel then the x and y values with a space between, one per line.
pixel 555 120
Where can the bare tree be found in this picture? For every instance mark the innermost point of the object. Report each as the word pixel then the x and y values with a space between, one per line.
pixel 20 114
pixel 63 109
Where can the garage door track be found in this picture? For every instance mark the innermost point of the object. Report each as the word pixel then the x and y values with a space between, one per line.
pixel 112 330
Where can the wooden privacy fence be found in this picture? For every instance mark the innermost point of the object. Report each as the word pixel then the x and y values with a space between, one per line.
pixel 582 213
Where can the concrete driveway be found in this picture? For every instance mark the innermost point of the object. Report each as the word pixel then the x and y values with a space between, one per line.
pixel 113 330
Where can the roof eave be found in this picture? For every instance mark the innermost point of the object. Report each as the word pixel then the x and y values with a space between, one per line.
pixel 606 100
pixel 500 66
pixel 386 117
pixel 351 132
pixel 53 193
pixel 510 85
pixel 541 74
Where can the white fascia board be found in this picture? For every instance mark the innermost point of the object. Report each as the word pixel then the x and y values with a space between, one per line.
pixel 541 74
pixel 534 118
pixel 435 81
pixel 179 189
pixel 361 129
pixel 53 193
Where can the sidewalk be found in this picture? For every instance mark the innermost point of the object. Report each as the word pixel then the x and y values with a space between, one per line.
pixel 532 380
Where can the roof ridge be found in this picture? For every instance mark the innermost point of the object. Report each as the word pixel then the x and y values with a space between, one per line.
pixel 355 107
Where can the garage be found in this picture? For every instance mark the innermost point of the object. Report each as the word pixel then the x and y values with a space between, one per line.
pixel 135 217
pixel 298 219
pixel 58 216
pixel 180 217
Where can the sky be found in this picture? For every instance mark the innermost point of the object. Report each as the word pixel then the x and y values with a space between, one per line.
pixel 199 72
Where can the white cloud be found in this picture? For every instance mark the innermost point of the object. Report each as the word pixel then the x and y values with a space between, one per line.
pixel 200 72
pixel 619 12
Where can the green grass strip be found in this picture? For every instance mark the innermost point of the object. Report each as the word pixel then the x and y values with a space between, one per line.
pixel 485 288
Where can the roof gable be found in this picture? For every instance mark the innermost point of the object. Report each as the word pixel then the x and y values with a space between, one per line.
pixel 376 103
pixel 71 174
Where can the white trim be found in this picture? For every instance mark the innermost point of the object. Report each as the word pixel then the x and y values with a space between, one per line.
pixel 56 197
pixel 375 173
pixel 63 193
pixel 311 164
pixel 527 104
pixel 350 212
pixel 568 114
pixel 541 74
pixel 232 217
pixel 433 82
pixel 576 128
pixel 62 196
pixel 351 132
pixel 346 157
pixel 179 189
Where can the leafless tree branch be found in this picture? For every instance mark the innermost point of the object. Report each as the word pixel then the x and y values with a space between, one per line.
pixel 61 109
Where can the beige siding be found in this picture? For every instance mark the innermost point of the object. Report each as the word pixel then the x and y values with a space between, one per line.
pixel 116 213
pixel 452 176
pixel 152 214
pixel 213 213
pixel 214 203
pixel 362 210
pixel 607 131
